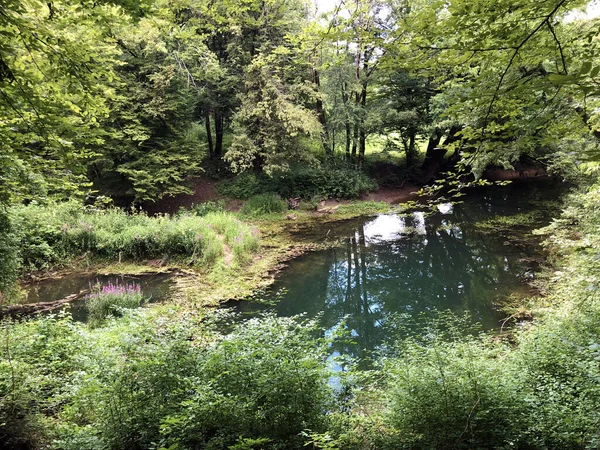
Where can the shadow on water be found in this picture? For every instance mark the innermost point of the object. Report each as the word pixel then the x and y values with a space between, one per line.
pixel 413 266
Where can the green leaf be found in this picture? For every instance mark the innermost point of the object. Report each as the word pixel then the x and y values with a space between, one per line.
pixel 585 67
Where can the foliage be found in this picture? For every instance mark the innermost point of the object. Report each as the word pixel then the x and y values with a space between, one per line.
pixel 328 181
pixel 136 382
pixel 111 299
pixel 166 377
pixel 153 141
pixel 264 204
pixel 204 208
pixel 57 233
pixel 9 259
pixel 271 122
pixel 56 66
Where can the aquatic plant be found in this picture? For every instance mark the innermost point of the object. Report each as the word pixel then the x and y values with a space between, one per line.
pixel 111 299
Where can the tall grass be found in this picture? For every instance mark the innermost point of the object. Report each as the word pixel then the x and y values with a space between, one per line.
pixel 51 235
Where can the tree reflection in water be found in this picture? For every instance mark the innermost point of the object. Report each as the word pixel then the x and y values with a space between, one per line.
pixel 407 266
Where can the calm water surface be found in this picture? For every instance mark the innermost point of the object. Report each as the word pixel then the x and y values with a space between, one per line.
pixel 412 266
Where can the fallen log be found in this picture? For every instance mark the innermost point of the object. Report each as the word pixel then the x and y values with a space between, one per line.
pixel 28 309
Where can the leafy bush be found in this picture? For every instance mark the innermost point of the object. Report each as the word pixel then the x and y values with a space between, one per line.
pixel 110 300
pixel 9 257
pixel 264 204
pixel 173 383
pixel 327 181
pixel 267 380
pixel 57 233
pixel 204 208
pixel 454 395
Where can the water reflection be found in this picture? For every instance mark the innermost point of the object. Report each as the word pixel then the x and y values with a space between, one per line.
pixel 407 265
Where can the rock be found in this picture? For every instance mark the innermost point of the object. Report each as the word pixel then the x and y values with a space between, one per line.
pixel 330 210
pixel 155 263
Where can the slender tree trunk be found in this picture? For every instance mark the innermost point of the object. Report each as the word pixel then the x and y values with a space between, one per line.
pixel 354 143
pixel 358 119
pixel 332 141
pixel 411 150
pixel 209 134
pixel 363 109
pixel 348 139
pixel 218 132
pixel 321 113
pixel 347 120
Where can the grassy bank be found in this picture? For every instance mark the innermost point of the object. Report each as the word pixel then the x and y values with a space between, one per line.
pixel 224 255
pixel 57 234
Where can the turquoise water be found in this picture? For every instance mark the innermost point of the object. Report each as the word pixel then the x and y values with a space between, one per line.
pixel 395 269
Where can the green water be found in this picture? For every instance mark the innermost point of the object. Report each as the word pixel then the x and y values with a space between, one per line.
pixel 393 268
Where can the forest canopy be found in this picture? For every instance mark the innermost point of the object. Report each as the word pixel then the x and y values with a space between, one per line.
pixel 132 98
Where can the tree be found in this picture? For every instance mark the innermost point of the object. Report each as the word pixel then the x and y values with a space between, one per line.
pixel 505 69
pixel 271 123
pixel 153 139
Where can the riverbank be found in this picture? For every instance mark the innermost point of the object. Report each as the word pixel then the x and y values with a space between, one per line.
pixel 283 236
pixel 196 287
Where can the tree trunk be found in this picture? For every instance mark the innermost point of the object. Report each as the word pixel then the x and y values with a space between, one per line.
pixel 434 158
pixel 363 110
pixel 209 134
pixel 321 113
pixel 411 150
pixel 348 139
pixel 362 145
pixel 348 128
pixel 218 132
pixel 434 142
pixel 354 143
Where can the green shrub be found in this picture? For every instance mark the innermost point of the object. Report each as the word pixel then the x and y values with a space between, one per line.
pixel 173 383
pixel 264 204
pixel 111 299
pixel 9 257
pixel 204 208
pixel 327 181
pixel 40 363
pixel 454 395
pixel 244 186
pixel 267 380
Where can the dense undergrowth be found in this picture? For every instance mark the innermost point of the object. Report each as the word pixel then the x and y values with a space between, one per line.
pixel 52 235
pixel 308 183
pixel 161 378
